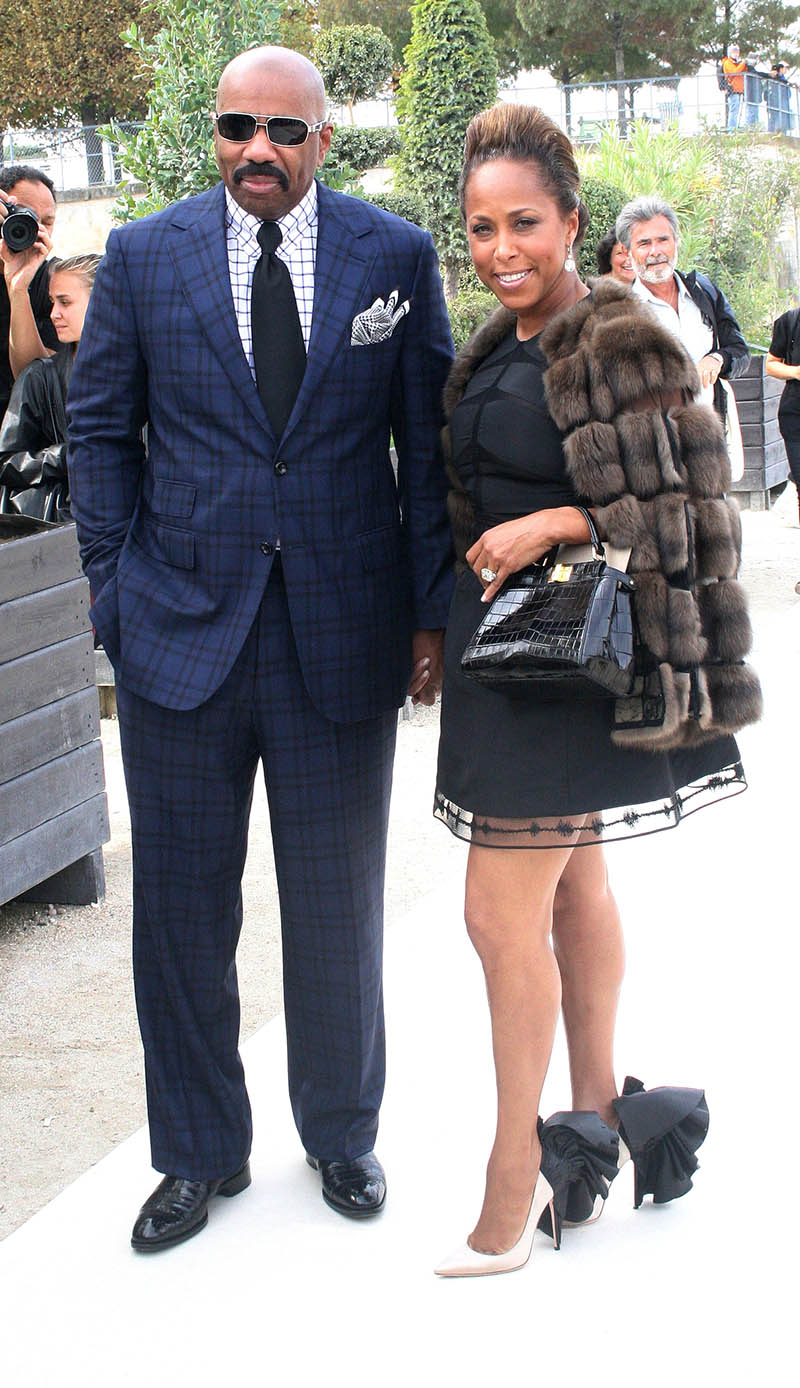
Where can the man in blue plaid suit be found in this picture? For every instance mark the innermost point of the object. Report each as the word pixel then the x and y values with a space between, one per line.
pixel 264 596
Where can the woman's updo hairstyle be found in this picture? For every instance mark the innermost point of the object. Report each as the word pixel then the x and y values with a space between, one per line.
pixel 527 136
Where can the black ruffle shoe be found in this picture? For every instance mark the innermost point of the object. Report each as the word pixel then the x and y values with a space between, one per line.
pixel 356 1188
pixel 178 1209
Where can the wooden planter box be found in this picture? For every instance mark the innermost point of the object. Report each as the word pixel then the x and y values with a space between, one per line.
pixel 765 466
pixel 53 811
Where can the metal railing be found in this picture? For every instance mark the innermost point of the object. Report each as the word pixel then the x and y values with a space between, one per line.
pixel 75 157
pixel 78 157
pixel 585 109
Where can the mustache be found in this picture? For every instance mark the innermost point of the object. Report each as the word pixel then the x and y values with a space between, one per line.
pixel 265 170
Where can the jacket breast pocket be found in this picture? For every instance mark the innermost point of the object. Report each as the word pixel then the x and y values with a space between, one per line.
pixel 173 498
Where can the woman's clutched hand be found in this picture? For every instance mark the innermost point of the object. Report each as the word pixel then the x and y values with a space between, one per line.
pixel 509 547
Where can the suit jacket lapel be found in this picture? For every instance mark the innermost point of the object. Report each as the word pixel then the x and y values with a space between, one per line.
pixel 346 250
pixel 199 256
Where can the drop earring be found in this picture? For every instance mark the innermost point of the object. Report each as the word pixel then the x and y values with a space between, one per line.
pixel 569 263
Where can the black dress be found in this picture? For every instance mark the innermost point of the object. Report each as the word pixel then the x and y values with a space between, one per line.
pixel 785 344
pixel 519 772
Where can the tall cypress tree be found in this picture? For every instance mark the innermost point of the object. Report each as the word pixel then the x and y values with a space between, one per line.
pixel 451 74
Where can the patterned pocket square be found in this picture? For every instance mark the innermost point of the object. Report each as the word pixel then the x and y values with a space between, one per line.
pixel 379 321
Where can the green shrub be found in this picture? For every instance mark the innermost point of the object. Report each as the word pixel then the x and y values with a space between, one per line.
pixel 364 147
pixel 603 201
pixel 471 308
pixel 343 178
pixel 401 204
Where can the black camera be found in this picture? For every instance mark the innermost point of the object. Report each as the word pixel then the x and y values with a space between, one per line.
pixel 19 228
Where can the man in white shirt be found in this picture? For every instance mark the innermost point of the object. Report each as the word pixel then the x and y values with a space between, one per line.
pixel 691 306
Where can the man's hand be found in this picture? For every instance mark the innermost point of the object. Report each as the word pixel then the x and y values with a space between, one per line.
pixel 428 672
pixel 709 368
pixel 19 267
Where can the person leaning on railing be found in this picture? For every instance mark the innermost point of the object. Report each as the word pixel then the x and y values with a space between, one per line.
pixel 733 69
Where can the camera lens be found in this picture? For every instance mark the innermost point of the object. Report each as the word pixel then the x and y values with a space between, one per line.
pixel 20 228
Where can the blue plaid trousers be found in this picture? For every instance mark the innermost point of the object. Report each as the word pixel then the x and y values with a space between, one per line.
pixel 190 776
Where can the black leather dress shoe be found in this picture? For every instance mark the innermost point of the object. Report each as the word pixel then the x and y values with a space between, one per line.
pixel 178 1209
pixel 356 1188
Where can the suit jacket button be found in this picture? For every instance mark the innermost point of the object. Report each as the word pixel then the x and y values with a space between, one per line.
pixel 266 547
pixel 280 468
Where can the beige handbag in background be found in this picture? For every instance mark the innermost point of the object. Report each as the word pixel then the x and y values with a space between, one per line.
pixel 733 433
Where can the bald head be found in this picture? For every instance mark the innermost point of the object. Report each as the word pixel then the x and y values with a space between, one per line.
pixel 268 178
pixel 259 65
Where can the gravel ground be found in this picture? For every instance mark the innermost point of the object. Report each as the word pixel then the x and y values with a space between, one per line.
pixel 71 1083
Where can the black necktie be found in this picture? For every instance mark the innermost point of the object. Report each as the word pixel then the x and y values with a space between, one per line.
pixel 279 352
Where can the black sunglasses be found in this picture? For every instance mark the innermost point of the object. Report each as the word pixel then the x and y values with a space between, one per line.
pixel 239 128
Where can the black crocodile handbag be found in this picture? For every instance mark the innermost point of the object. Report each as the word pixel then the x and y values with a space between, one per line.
pixel 561 629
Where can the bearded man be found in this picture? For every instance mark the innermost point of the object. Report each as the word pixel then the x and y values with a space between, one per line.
pixel 690 305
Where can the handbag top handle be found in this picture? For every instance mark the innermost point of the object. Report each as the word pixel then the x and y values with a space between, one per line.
pixel 596 542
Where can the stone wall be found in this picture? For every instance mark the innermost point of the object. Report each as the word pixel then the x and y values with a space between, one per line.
pixel 84 220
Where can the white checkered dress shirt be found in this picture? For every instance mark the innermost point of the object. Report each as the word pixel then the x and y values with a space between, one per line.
pixel 298 249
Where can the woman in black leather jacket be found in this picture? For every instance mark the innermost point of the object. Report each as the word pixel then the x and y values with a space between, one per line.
pixel 33 437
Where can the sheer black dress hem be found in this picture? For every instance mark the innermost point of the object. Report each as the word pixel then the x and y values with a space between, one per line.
pixel 592 826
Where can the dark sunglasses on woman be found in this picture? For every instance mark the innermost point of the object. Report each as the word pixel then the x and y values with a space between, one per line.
pixel 239 127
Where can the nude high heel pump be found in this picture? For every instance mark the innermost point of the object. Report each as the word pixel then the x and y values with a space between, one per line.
pixel 467 1262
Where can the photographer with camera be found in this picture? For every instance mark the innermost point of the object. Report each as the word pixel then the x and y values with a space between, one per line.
pixel 27 196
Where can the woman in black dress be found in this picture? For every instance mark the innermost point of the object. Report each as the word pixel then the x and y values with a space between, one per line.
pixel 783 362
pixel 562 398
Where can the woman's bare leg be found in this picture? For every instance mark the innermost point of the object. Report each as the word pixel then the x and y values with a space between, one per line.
pixel 588 944
pixel 509 913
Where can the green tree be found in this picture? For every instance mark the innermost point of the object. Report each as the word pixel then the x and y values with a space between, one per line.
pixel 298 22
pixel 680 168
pixel 173 154
pixel 355 60
pixel 451 74
pixel 763 27
pixel 512 43
pixel 392 16
pixel 595 41
pixel 758 26
pixel 67 62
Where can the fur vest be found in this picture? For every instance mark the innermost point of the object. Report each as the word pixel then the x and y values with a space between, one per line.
pixel 656 480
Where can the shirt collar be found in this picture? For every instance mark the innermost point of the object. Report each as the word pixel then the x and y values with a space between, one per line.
pixel 297 225
pixel 641 290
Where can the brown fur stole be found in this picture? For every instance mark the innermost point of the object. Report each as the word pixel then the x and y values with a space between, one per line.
pixel 656 475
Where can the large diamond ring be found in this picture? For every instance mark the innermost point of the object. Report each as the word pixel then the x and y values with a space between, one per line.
pixel 488 575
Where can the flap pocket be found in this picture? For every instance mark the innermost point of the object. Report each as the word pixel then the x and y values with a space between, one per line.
pixel 174 547
pixel 173 498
